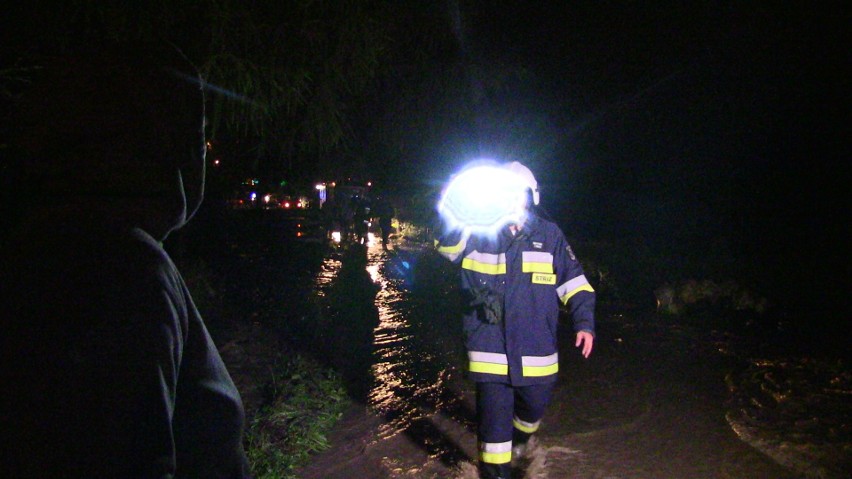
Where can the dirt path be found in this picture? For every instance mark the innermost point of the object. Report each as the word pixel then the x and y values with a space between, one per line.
pixel 651 404
pixel 648 404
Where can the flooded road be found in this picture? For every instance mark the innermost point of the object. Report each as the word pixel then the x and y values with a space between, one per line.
pixel 651 402
pixel 413 415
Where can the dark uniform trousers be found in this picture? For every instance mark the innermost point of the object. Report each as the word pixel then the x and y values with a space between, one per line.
pixel 516 284
pixel 510 415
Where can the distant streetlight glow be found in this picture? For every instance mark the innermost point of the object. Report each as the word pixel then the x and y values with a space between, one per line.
pixel 323 194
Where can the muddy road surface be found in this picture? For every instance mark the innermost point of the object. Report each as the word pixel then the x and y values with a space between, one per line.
pixel 651 401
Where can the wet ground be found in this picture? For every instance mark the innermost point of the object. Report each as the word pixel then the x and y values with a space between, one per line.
pixel 654 400
pixel 661 396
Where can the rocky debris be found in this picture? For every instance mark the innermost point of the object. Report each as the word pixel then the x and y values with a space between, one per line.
pixel 679 298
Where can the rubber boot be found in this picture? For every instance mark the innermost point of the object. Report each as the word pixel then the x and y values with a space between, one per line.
pixel 495 471
pixel 522 443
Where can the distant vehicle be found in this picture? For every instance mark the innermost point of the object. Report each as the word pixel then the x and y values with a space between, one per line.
pixel 290 202
pixel 310 228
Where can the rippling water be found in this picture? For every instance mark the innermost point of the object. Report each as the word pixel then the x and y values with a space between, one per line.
pixel 798 411
pixel 401 350
pixel 409 370
pixel 325 277
pixel 650 402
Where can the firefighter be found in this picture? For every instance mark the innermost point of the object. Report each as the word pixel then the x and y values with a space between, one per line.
pixel 514 282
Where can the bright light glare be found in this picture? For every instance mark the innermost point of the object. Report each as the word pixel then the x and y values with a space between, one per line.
pixel 335 236
pixel 483 199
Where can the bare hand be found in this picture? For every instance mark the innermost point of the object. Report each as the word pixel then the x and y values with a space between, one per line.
pixel 585 339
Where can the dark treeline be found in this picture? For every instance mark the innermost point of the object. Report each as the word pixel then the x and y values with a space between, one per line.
pixel 705 136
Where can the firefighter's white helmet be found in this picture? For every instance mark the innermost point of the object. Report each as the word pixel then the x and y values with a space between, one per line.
pixel 526 176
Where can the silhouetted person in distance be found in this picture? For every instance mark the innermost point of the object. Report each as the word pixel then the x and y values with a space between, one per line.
pixel 384 212
pixel 361 218
pixel 107 367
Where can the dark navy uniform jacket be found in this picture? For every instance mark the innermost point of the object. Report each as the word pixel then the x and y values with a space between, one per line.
pixel 514 284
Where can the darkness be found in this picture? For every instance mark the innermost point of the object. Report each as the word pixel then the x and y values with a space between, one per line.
pixel 698 140
pixel 706 133
pixel 710 134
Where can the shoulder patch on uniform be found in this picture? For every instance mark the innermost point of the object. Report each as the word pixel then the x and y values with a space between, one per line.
pixel 570 253
pixel 537 244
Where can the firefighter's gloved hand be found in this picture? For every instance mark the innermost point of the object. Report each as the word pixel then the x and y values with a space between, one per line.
pixel 494 309
pixel 492 306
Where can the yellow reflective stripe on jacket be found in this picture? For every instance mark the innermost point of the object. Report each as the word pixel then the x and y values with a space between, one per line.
pixel 523 426
pixel 537 262
pixel 495 452
pixel 537 366
pixel 451 252
pixel 572 287
pixel 485 263
pixel 488 363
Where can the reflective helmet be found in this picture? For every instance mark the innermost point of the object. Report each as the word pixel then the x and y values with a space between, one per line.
pixel 526 176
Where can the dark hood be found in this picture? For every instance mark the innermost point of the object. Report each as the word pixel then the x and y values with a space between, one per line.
pixel 116 134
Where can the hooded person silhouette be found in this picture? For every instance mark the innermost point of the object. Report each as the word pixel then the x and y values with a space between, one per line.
pixel 107 367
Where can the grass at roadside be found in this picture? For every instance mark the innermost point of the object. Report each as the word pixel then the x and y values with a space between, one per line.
pixel 303 402
pixel 292 413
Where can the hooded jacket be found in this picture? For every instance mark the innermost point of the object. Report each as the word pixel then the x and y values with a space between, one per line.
pixel 514 284
pixel 108 369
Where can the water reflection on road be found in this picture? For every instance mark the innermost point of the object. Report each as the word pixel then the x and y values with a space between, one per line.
pixel 325 277
pixel 409 372
pixel 649 403
pixel 401 358
pixel 392 376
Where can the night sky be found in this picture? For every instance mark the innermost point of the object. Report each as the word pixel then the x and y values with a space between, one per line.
pixel 706 131
pixel 714 134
